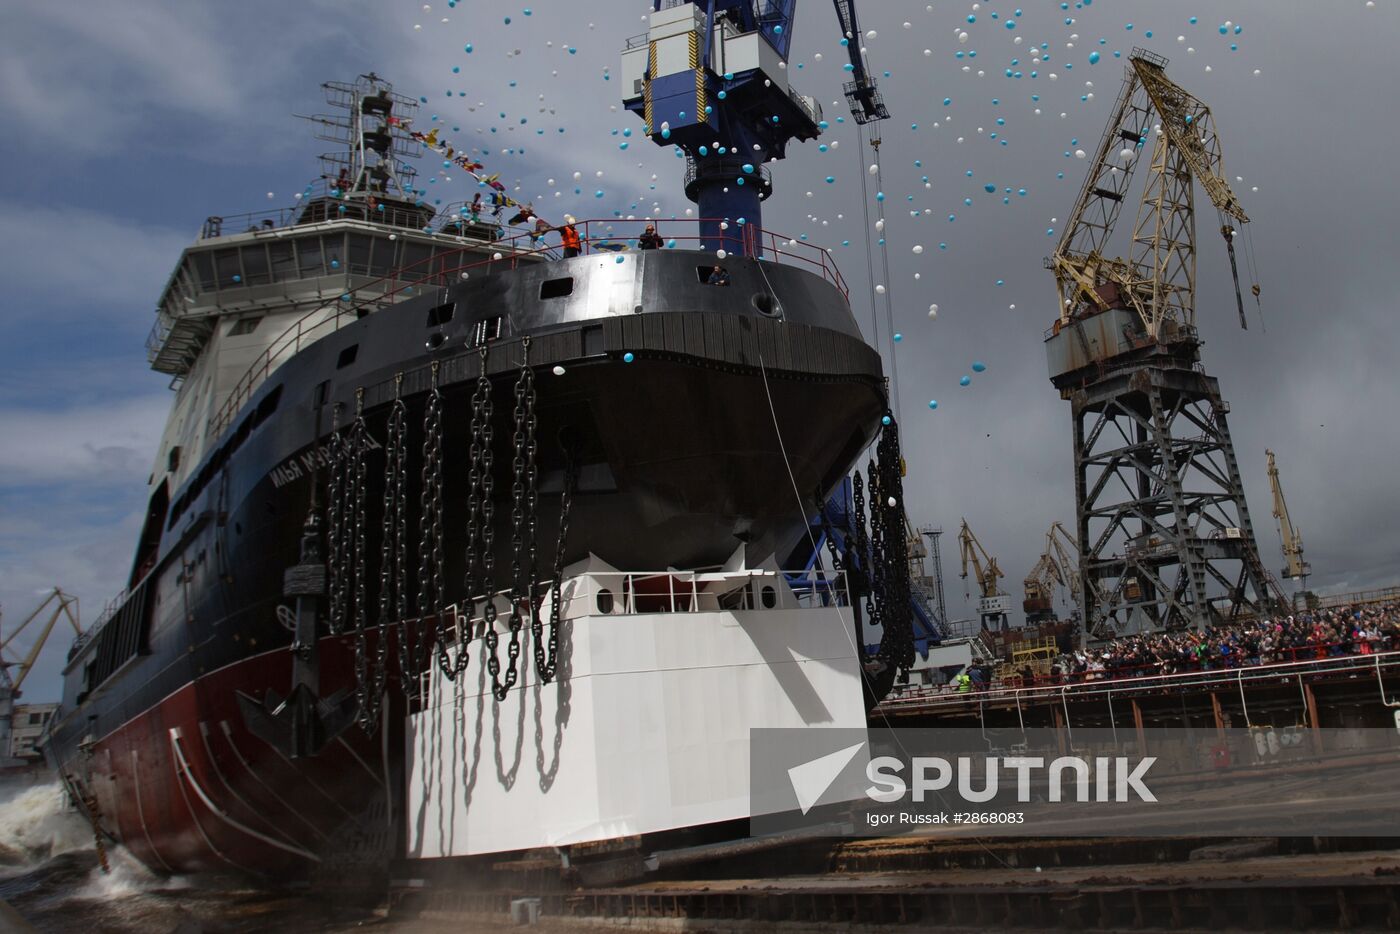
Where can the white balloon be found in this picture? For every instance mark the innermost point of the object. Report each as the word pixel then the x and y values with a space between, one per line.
pixel 558 371
pixel 874 169
pixel 879 290
pixel 1079 154
pixel 933 311
pixel 918 248
pixel 721 253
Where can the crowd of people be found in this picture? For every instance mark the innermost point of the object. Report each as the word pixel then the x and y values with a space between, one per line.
pixel 1301 637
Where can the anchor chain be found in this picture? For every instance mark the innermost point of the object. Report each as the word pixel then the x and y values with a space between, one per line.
pixel 897 644
pixel 547 663
pixel 335 532
pixel 369 684
pixel 864 557
pixel 359 435
pixel 430 584
pixel 877 569
pixel 523 465
pixel 479 459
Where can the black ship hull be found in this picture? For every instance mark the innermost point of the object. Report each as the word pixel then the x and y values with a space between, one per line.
pixel 700 419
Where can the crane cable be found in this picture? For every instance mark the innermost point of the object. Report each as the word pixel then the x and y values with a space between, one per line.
pixel 884 260
pixel 885 263
pixel 869 257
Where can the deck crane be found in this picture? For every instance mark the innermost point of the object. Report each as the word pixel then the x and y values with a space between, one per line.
pixel 1294 565
pixel 710 78
pixel 1055 568
pixel 60 605
pixel 1165 538
pixel 993 603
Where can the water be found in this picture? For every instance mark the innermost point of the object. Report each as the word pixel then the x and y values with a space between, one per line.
pixel 49 874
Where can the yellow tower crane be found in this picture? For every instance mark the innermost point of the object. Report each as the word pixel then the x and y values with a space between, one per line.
pixel 994 603
pixel 1056 568
pixel 1294 565
pixel 60 604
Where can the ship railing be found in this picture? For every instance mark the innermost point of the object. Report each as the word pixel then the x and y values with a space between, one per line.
pixel 602 236
pixel 945 697
pixel 630 593
pixel 390 211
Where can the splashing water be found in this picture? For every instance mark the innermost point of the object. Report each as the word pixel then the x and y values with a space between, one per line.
pixel 36 824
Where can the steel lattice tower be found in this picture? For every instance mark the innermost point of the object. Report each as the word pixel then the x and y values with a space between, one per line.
pixel 1164 532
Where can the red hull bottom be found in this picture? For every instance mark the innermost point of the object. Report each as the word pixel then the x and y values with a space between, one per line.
pixel 187 788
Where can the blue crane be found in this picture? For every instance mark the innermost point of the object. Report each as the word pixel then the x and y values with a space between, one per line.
pixel 709 78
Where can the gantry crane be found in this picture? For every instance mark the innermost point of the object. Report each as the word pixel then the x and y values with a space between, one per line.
pixel 1165 539
pixel 709 77
pixel 1294 565
pixel 62 605
pixel 1055 568
pixel 993 603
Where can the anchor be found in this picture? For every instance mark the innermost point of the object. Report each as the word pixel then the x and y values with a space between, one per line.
pixel 301 724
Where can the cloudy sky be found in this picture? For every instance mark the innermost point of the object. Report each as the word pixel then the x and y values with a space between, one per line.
pixel 126 123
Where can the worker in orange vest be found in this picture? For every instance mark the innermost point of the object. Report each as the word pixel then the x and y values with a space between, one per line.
pixel 569 237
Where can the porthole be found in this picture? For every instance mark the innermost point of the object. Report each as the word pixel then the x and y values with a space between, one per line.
pixel 605 601
pixel 768 597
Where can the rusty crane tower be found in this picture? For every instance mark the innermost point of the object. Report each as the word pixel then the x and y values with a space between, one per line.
pixel 1165 538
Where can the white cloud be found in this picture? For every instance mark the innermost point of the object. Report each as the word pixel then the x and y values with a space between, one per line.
pixel 109 443
pixel 105 264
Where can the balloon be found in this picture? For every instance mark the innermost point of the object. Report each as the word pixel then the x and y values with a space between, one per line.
pixel 933 403
pixel 627 357
pixel 933 311
pixel 898 338
pixel 558 371
pixel 918 248
pixel 978 366
pixel 965 381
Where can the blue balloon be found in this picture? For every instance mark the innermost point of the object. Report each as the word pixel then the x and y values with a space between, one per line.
pixel 627 357
pixel 885 420
pixel 965 381
pixel 898 338
pixel 933 403
pixel 978 366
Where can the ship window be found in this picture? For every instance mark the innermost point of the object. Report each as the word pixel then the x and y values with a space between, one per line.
pixel 486 330
pixel 268 405
pixel 347 356
pixel 440 315
pixel 557 288
pixel 323 392
pixel 172 460
pixel 309 252
pixel 229 269
pixel 284 260
pixel 244 326
pixel 382 257
pixel 416 263
pixel 205 267
pixel 255 271
pixel 358 254
pixel 593 343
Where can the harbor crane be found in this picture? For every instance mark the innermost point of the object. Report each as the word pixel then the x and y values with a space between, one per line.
pixel 993 603
pixel 1294 565
pixel 59 605
pixel 1056 568
pixel 1164 536
pixel 710 79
